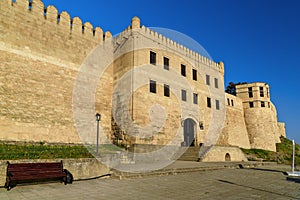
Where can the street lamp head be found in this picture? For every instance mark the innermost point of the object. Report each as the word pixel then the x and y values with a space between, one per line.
pixel 201 125
pixel 98 117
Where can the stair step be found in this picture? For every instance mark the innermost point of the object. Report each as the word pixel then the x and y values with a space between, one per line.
pixel 191 154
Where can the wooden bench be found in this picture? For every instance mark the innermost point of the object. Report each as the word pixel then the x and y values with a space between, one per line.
pixel 36 172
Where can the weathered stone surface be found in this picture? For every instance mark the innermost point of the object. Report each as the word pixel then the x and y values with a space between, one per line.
pixel 40 58
pixel 235 130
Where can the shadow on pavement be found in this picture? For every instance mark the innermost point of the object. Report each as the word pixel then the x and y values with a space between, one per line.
pixel 262 169
pixel 257 189
pixel 293 179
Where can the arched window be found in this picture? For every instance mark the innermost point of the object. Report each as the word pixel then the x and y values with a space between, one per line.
pixel 227 157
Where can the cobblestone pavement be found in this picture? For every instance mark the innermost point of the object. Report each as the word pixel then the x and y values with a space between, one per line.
pixel 257 183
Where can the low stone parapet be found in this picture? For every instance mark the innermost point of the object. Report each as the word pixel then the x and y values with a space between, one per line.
pixel 224 153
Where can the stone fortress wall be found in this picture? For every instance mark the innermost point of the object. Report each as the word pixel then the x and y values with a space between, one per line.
pixel 235 130
pixel 41 51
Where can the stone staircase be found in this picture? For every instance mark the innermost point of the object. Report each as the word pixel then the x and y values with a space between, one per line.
pixel 191 154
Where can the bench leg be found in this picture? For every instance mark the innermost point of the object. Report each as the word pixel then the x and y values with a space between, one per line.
pixel 68 179
pixel 10 184
pixel 7 185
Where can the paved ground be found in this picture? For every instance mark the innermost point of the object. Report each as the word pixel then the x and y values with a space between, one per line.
pixel 266 182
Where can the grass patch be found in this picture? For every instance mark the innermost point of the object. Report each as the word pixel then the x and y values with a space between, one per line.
pixel 253 154
pixel 283 154
pixel 42 151
pixel 29 151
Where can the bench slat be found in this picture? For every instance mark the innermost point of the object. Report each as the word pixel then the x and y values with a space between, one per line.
pixel 36 173
pixel 46 165
pixel 36 177
pixel 35 169
pixel 26 164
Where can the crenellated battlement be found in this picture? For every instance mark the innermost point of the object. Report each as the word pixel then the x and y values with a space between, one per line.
pixel 28 26
pixel 179 48
pixel 43 24
pixel 62 20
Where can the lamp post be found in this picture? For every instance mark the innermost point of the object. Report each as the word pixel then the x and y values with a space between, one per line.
pixel 293 159
pixel 98 118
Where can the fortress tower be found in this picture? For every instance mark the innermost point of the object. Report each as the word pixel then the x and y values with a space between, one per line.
pixel 260 116
pixel 167 73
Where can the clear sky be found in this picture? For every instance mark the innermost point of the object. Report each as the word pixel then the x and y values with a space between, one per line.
pixel 258 40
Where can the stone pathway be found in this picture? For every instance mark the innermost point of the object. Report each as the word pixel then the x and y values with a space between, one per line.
pixel 266 182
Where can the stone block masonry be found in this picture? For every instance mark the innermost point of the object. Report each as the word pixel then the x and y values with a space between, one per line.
pixel 41 51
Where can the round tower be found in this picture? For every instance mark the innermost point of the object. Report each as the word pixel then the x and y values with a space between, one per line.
pixel 260 115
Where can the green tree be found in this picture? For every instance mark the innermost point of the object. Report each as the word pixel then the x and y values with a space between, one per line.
pixel 231 88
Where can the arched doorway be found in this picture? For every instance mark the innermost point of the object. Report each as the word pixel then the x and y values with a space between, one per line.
pixel 227 157
pixel 189 130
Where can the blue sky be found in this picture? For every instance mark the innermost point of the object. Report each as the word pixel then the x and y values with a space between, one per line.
pixel 258 40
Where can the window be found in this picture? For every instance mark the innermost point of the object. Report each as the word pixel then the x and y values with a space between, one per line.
pixel 228 101
pixel 183 70
pixel 208 102
pixel 195 97
pixel 166 63
pixel 261 91
pixel 207 80
pixel 152 58
pixel 152 86
pixel 30 5
pixel 194 75
pixel 232 103
pixel 166 90
pixel 268 92
pixel 216 83
pixel 269 105
pixel 183 95
pixel 263 104
pixel 217 104
pixel 251 104
pixel 250 92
